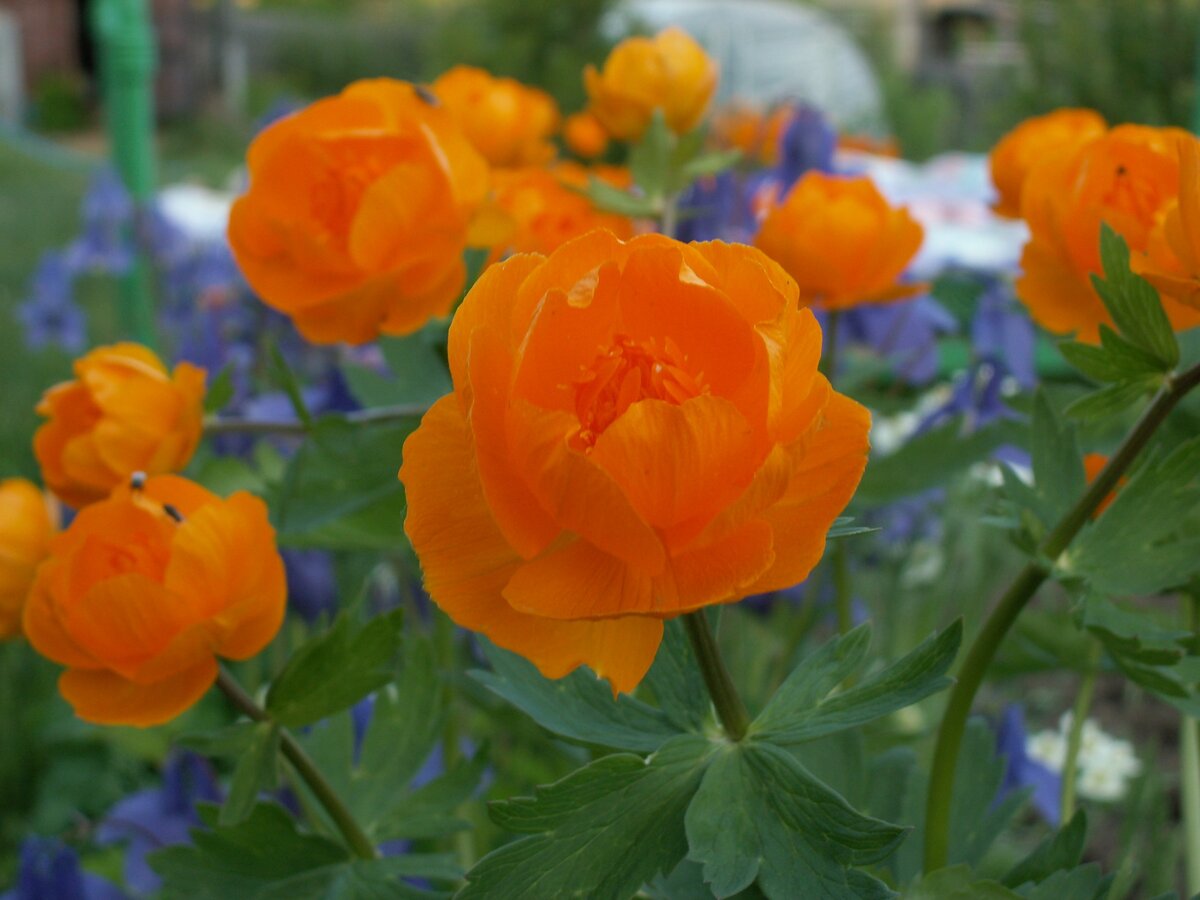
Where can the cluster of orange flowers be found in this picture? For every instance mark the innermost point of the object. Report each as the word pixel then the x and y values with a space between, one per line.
pixel 1065 174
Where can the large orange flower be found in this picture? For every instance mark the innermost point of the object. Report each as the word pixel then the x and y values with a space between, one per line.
pixel 509 123
pixel 541 211
pixel 358 213
pixel 1030 143
pixel 842 241
pixel 144 590
pixel 1172 261
pixel 27 523
pixel 669 71
pixel 637 430
pixel 122 414
pixel 1124 179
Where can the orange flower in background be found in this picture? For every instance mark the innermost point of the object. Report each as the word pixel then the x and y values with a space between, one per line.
pixel 145 589
pixel 842 241
pixel 541 211
pixel 28 520
pixel 637 430
pixel 123 413
pixel 755 133
pixel 1093 464
pixel 1172 261
pixel 1124 179
pixel 669 71
pixel 1030 143
pixel 358 213
pixel 508 122
pixel 585 135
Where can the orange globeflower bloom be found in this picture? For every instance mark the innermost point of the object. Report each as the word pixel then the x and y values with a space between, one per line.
pixel 28 521
pixel 122 414
pixel 541 211
pixel 1172 261
pixel 585 135
pixel 506 121
pixel 637 430
pixel 358 213
pixel 1123 179
pixel 669 71
pixel 1030 143
pixel 145 589
pixel 842 241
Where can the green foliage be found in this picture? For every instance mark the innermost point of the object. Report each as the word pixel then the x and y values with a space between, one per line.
pixel 257 770
pixel 416 367
pixel 1061 850
pixel 335 669
pixel 1058 474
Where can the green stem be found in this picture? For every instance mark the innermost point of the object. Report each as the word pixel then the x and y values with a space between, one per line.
pixel 1019 593
pixel 1083 705
pixel 215 425
pixel 669 220
pixel 730 709
pixel 351 831
pixel 1189 777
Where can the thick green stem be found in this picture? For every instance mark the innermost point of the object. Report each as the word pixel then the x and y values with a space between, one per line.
pixel 1019 593
pixel 351 831
pixel 1083 705
pixel 1189 776
pixel 730 709
pixel 215 426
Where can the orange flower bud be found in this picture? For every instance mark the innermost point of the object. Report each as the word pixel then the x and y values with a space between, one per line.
pixel 28 520
pixel 1030 143
pixel 1172 260
pixel 669 71
pixel 637 430
pixel 358 213
pixel 542 212
pixel 842 241
pixel 145 589
pixel 1124 178
pixel 122 414
pixel 506 121
pixel 585 135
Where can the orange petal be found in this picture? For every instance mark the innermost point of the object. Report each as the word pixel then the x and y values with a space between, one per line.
pixel 578 581
pixel 42 622
pixel 718 572
pixel 467 563
pixel 108 699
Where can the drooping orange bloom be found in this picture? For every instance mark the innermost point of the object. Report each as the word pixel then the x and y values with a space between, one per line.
pixel 638 429
pixel 28 521
pixel 1093 464
pixel 122 414
pixel 842 241
pixel 585 135
pixel 145 589
pixel 1031 143
pixel 1124 179
pixel 541 211
pixel 1172 260
pixel 508 122
pixel 669 71
pixel 358 213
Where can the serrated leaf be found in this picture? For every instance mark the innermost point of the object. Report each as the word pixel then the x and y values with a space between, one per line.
pixel 341 490
pixel 1111 400
pixel 1133 303
pixel 1060 851
pixel 958 883
pixel 1083 883
pixel 760 815
pixel 417 367
pixel 335 669
pixel 257 770
pixel 607 198
pixel 580 707
pixel 1058 476
pixel 676 682
pixel 429 811
pixel 601 832
pixel 801 710
pixel 375 879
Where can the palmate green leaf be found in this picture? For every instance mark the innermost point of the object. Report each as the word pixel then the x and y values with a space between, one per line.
pixel 1060 851
pixel 1133 303
pixel 803 710
pixel 580 707
pixel 958 883
pixel 760 815
pixel 1086 882
pixel 416 374
pixel 1113 399
pixel 931 459
pixel 341 489
pixel 257 770
pixel 1140 544
pixel 376 879
pixel 1058 476
pixel 675 681
pixel 599 833
pixel 429 811
pixel 335 669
